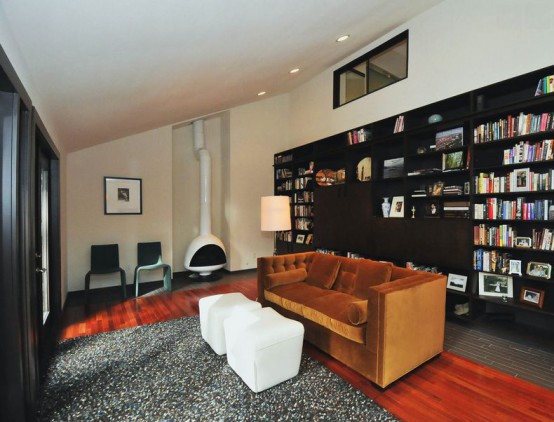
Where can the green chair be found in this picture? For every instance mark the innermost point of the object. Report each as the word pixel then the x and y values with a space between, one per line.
pixel 149 257
pixel 104 259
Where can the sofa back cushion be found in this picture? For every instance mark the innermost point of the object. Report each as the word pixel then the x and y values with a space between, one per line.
pixel 323 270
pixel 357 275
pixel 285 277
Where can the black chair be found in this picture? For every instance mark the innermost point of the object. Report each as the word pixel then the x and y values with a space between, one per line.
pixel 149 257
pixel 104 259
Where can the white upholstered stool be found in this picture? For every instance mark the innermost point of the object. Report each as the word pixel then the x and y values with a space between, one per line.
pixel 263 347
pixel 214 310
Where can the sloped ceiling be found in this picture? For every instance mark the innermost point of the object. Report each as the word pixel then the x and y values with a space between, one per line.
pixel 104 69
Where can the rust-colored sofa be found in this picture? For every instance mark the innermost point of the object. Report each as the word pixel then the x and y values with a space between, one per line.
pixel 378 319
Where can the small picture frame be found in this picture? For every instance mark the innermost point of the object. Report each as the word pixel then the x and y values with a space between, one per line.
pixel 437 188
pixel 452 161
pixel 433 209
pixel 532 296
pixel 309 238
pixel 466 188
pixel 397 207
pixel 122 196
pixel 300 238
pixel 522 180
pixel 523 242
pixel 449 139
pixel 515 267
pixel 456 282
pixel 496 285
pixel 539 270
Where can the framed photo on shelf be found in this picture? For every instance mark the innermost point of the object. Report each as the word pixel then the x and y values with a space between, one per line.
pixel 436 188
pixel 122 196
pixel 522 180
pixel 433 209
pixel 397 207
pixel 515 267
pixel 452 161
pixel 456 282
pixel 523 242
pixel 300 238
pixel 539 269
pixel 309 238
pixel 496 285
pixel 532 296
pixel 449 139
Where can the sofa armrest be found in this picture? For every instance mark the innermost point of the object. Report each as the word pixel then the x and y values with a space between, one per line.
pixel 405 324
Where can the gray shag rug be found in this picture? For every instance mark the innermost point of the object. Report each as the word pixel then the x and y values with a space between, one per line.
pixel 166 372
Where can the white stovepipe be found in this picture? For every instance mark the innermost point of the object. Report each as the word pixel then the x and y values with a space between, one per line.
pixel 205 177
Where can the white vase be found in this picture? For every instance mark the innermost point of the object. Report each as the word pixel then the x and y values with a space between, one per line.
pixel 385 206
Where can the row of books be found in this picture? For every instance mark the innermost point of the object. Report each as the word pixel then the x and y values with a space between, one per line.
pixel 303 211
pixel 545 85
pixel 303 171
pixel 303 197
pixel 283 174
pixel 522 124
pixel 485 235
pixel 283 158
pixel 520 180
pixel 305 182
pixel 399 124
pixel 456 209
pixel 542 239
pixel 518 209
pixel 491 261
pixel 526 152
pixel 329 251
pixel 358 136
pixel 303 223
pixel 284 236
pixel 284 186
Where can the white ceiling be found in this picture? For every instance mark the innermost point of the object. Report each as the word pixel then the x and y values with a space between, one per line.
pixel 104 69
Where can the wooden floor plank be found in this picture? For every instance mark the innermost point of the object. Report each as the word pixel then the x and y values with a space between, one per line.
pixel 447 388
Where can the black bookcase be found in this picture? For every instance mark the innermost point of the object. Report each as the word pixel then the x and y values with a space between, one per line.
pixel 443 161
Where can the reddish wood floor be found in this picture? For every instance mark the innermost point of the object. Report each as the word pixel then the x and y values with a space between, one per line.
pixel 448 388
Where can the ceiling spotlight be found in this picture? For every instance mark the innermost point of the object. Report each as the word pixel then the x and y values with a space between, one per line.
pixel 294 70
pixel 261 93
pixel 343 38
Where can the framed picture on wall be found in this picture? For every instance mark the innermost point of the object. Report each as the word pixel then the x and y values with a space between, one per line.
pixel 122 196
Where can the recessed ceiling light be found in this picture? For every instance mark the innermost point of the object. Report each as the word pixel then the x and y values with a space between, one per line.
pixel 343 38
pixel 294 70
pixel 261 93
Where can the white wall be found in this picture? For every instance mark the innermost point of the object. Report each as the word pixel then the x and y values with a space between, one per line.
pixel 454 47
pixel 146 156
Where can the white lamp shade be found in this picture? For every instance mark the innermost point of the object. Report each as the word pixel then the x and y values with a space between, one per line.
pixel 275 213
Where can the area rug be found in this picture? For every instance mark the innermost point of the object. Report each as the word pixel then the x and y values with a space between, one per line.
pixel 166 372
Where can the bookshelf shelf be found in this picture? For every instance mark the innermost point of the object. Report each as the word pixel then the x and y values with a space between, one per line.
pixel 348 218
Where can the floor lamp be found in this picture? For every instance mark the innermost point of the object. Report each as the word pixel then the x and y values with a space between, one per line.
pixel 275 216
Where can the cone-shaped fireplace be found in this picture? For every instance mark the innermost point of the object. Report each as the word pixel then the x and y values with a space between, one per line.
pixel 206 252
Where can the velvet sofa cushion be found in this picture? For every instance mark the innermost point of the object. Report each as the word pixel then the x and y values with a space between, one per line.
pixel 323 270
pixel 357 312
pixel 285 277
pixel 371 273
pixel 293 296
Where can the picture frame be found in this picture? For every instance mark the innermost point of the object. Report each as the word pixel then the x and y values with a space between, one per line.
pixel 539 270
pixel 437 188
pixel 452 161
pixel 532 296
pixel 449 139
pixel 496 285
pixel 309 238
pixel 523 242
pixel 300 238
pixel 456 282
pixel 515 267
pixel 397 207
pixel 522 180
pixel 122 196
pixel 433 209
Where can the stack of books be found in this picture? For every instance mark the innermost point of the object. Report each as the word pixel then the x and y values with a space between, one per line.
pixel 456 209
pixel 453 190
pixel 419 193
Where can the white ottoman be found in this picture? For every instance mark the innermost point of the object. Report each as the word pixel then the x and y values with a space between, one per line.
pixel 214 309
pixel 263 347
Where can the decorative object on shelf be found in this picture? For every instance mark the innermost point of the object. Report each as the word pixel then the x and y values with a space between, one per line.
pixel 397 207
pixel 275 216
pixel 539 269
pixel 532 296
pixel 421 150
pixel 452 161
pixel 300 238
pixel 413 211
pixel 456 282
pixel 310 168
pixel 515 267
pixel 432 209
pixel 326 177
pixel 466 188
pixel 496 285
pixel 385 207
pixel 523 242
pixel 434 118
pixel 461 308
pixel 436 188
pixel 480 102
pixel 122 196
pixel 363 170
pixel 309 238
pixel 340 176
pixel 449 139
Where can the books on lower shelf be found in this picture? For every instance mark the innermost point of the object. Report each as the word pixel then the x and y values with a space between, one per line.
pixel 506 236
pixel 522 124
pixel 526 152
pixel 491 261
pixel 515 181
pixel 456 209
pixel 518 209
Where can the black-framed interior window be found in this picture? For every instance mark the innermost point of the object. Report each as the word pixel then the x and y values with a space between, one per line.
pixel 380 67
